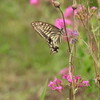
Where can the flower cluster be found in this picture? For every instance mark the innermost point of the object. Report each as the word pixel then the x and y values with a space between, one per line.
pixel 68 14
pixel 56 85
pixel 77 81
pixel 80 13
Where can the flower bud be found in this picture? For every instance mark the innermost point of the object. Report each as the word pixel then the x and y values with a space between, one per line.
pixel 56 3
pixel 74 6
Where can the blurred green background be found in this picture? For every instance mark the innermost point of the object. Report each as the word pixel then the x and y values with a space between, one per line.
pixel 25 62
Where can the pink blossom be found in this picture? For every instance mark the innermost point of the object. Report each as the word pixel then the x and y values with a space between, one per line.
pixel 67 77
pixel 94 8
pixel 56 85
pixel 86 83
pixel 59 22
pixel 77 80
pixel 83 84
pixel 72 35
pixel 77 77
pixel 34 2
pixel 64 71
pixel 68 12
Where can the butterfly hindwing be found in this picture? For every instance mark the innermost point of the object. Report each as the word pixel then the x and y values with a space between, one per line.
pixel 50 33
pixel 54 43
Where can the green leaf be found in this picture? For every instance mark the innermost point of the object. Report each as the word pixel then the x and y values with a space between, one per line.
pixel 44 91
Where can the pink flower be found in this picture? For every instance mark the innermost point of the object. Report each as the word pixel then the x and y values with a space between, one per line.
pixel 34 2
pixel 72 35
pixel 94 8
pixel 64 71
pixel 86 83
pixel 68 12
pixel 59 23
pixel 83 84
pixel 77 80
pixel 67 77
pixel 77 77
pixel 56 85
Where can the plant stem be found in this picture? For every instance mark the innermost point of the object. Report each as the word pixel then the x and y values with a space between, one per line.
pixel 71 74
pixel 73 26
pixel 96 63
pixel 65 28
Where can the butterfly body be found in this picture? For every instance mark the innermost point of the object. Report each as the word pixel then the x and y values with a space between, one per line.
pixel 50 33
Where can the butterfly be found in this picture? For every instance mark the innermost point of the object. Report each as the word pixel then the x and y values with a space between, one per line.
pixel 50 33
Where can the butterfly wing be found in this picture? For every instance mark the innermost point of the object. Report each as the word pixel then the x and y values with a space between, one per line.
pixel 49 32
pixel 54 41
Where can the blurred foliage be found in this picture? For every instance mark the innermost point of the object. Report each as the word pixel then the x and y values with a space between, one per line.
pixel 25 62
pixel 94 3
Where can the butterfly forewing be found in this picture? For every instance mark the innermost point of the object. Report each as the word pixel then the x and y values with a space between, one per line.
pixel 50 33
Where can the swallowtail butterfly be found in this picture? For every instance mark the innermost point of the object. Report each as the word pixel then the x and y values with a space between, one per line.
pixel 50 33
